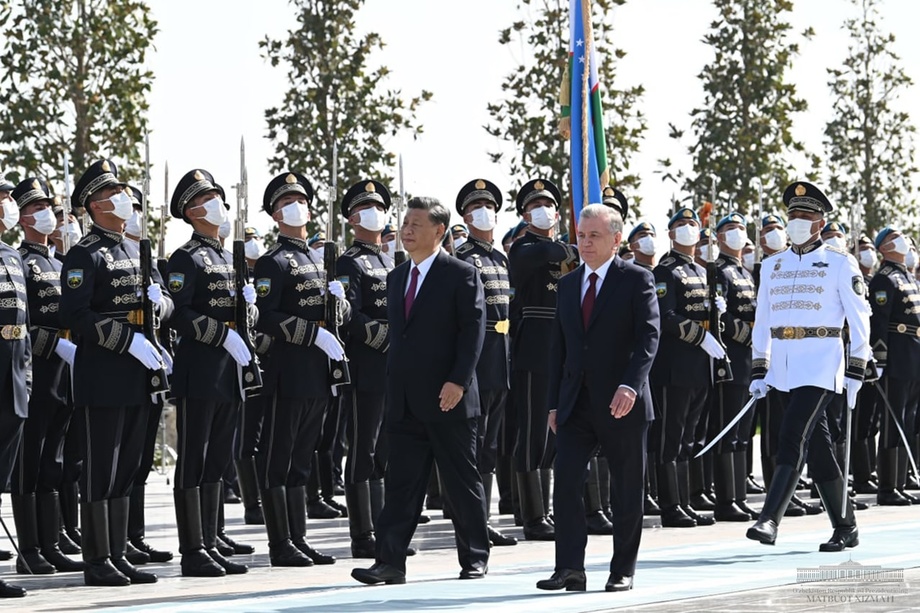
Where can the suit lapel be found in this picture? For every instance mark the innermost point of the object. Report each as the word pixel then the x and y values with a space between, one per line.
pixel 606 290
pixel 400 274
pixel 574 297
pixel 426 289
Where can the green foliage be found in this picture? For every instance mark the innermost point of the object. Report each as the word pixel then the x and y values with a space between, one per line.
pixel 528 113
pixel 744 129
pixel 72 78
pixel 334 96
pixel 870 150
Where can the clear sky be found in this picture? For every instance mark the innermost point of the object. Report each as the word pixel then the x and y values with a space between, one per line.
pixel 212 86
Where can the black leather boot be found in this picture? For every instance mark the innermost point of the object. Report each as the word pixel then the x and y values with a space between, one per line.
pixel 842 518
pixel 504 476
pixel 903 461
pixel 683 487
pixel 195 560
pixel 495 537
pixel 740 471
pixel 672 515
pixel 603 479
pixel 595 520
pixel 118 540
pixel 888 495
pixel 723 472
pixel 536 527
pixel 212 501
pixel 297 523
pixel 281 551
pixel 236 548
pixel 70 498
pixel 651 506
pixel 698 485
pixel 98 569
pixel 785 480
pixel 249 491
pixel 49 524
pixel 30 560
pixel 360 520
pixel 862 469
pixel 137 532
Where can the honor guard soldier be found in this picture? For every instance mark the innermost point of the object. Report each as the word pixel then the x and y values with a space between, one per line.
pixel 536 263
pixel 895 300
pixel 40 462
pixel 866 417
pixel 478 202
pixel 290 284
pixel 205 380
pixel 736 284
pixel 806 293
pixel 363 270
pixel 15 354
pixel 681 372
pixel 641 241
pixel 101 305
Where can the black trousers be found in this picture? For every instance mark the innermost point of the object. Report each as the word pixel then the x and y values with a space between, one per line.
pixel 40 463
pixel 535 445
pixel 154 412
pixel 414 445
pixel 507 436
pixel 904 395
pixel 772 409
pixel 366 458
pixel 624 447
pixel 113 445
pixel 728 399
pixel 10 434
pixel 804 434
pixel 290 433
pixel 249 428
pixel 866 417
pixel 681 409
pixel 492 407
pixel 205 429
pixel 836 414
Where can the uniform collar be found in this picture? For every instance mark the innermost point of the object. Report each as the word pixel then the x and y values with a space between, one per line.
pixel 800 251
pixel 375 247
pixel 208 240
pixel 539 237
pixel 900 267
pixel 37 247
pixel 682 256
pixel 487 246
pixel 729 258
pixel 113 236
pixel 296 242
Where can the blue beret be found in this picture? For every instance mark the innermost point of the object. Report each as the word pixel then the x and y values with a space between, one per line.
pixel 883 234
pixel 834 226
pixel 683 213
pixel 733 217
pixel 640 227
pixel 770 220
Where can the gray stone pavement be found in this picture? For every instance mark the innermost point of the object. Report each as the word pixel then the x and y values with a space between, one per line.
pixel 700 569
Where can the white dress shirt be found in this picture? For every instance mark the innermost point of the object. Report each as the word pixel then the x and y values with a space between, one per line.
pixel 423 267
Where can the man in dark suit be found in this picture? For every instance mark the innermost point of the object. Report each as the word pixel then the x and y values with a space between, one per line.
pixel 604 341
pixel 436 316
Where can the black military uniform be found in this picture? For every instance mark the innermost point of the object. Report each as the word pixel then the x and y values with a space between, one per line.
pixel 736 285
pixel 493 369
pixel 290 284
pixel 15 363
pixel 868 407
pixel 363 270
pixel 895 300
pixel 536 264
pixel 680 376
pixel 40 460
pixel 102 306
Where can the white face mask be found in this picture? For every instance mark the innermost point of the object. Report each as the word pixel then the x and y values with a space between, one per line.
pixel 295 214
pixel 224 230
pixel 704 252
pixel 747 260
pixel 899 245
pixel 254 249
pixel 867 258
pixel 836 242
pixel 458 242
pixel 687 235
pixel 735 239
pixel 646 245
pixel 133 225
pixel 910 260
pixel 215 211
pixel 775 239
pixel 73 228
pixel 800 231
pixel 124 208
pixel 387 246
pixel 10 214
pixel 543 217
pixel 44 221
pixel 372 219
pixel 483 219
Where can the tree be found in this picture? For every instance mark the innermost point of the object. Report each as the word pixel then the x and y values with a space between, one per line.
pixel 73 79
pixel 335 98
pixel 869 144
pixel 527 116
pixel 744 130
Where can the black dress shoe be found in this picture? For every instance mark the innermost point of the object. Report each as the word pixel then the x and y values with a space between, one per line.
pixel 104 574
pixel 597 523
pixel 242 549
pixel 567 579
pixel 223 548
pixel 231 568
pixel 910 497
pixel 858 505
pixel 318 557
pixel 753 487
pixel 843 537
pixel 7 555
pixel 810 509
pixel 135 555
pixel 11 591
pixel 155 554
pixel 318 509
pixel 135 575
pixel 539 530
pixel 791 511
pixel 892 499
pixel 286 554
pixel 364 547
pixel 338 506
pixel 701 520
pixel 618 583
pixel 702 502
pixel 743 505
pixel 865 487
pixel 728 511
pixel 674 517
pixel 651 507
pixel 230 497
pixel 477 572
pixel 500 540
pixel 411 551
pixel 197 563
pixel 380 572
pixel 253 516
pixel 423 519
pixel 763 531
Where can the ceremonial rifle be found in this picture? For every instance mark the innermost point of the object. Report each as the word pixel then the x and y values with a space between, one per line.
pixel 65 205
pixel 339 373
pixel 157 381
pixel 722 367
pixel 251 374
pixel 166 334
pixel 399 256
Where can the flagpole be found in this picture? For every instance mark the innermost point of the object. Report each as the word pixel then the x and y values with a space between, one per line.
pixel 585 93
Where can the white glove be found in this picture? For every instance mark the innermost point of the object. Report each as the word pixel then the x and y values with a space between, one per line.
pixel 711 346
pixel 155 295
pixel 145 352
pixel 337 289
pixel 852 386
pixel 329 343
pixel 758 388
pixel 721 305
pixel 249 293
pixel 66 350
pixel 880 371
pixel 167 362
pixel 237 348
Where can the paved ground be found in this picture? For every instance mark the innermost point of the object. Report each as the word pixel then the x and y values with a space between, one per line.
pixel 701 569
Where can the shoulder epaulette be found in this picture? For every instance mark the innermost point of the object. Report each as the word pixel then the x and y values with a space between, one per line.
pixel 887 270
pixel 271 250
pixel 837 250
pixel 464 248
pixel 89 239
pixel 352 252
pixel 767 257
pixel 191 245
pixel 667 261
pixel 23 251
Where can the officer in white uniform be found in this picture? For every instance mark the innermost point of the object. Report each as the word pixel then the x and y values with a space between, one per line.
pixel 805 295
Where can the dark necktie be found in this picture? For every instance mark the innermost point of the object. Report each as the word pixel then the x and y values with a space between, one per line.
pixel 410 294
pixel 587 305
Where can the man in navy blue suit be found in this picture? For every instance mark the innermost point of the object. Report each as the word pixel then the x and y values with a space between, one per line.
pixel 604 341
pixel 437 323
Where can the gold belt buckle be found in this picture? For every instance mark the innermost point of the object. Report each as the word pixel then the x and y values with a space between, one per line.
pixel 788 333
pixel 136 317
pixel 11 332
pixel 502 326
